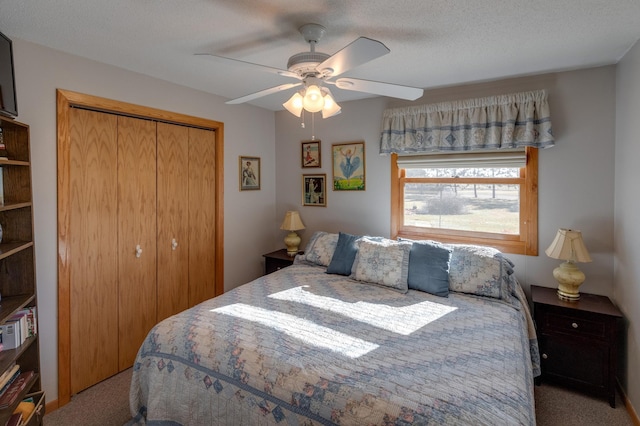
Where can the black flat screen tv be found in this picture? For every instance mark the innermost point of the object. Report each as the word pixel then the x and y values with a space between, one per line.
pixel 8 99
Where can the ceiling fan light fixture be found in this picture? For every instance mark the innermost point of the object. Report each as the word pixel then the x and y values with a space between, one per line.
pixel 330 107
pixel 313 99
pixel 295 104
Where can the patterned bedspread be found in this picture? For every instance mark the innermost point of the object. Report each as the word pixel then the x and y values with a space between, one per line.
pixel 302 347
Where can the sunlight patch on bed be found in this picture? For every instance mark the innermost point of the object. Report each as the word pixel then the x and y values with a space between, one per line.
pixel 402 320
pixel 305 330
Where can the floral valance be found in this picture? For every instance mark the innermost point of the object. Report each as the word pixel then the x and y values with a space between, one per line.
pixel 508 121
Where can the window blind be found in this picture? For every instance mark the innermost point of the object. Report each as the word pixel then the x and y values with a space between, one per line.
pixel 495 159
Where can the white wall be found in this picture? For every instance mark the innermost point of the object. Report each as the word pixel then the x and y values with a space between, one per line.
pixel 627 206
pixel 248 131
pixel 576 178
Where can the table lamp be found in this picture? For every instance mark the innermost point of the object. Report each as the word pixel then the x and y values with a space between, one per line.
pixel 292 223
pixel 568 246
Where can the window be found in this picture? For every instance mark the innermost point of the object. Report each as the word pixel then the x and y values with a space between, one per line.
pixel 480 198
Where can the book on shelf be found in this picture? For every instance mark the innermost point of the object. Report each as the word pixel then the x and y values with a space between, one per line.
pixel 23 330
pixel 18 385
pixel 31 318
pixel 3 148
pixel 19 328
pixel 14 420
pixel 8 377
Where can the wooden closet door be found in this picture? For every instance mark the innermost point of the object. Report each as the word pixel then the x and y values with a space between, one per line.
pixel 173 219
pixel 93 237
pixel 202 215
pixel 136 234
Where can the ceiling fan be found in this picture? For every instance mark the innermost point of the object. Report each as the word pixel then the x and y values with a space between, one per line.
pixel 316 70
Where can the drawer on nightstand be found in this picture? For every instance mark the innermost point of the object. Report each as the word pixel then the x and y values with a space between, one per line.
pixel 574 324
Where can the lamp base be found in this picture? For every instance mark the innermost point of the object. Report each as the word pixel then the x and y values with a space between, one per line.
pixel 292 241
pixel 569 279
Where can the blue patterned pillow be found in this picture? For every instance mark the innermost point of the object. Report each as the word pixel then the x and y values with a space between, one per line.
pixel 383 262
pixel 344 254
pixel 320 248
pixel 480 270
pixel 429 267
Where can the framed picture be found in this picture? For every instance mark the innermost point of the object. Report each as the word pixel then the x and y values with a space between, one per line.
pixel 348 166
pixel 310 154
pixel 249 173
pixel 314 190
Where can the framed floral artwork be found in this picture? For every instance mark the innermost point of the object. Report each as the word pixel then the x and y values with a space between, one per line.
pixel 249 173
pixel 311 154
pixel 348 166
pixel 314 190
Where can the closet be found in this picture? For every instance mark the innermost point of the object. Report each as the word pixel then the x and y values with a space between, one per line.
pixel 139 206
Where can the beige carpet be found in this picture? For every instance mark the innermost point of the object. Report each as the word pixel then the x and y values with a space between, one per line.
pixel 556 406
pixel 107 404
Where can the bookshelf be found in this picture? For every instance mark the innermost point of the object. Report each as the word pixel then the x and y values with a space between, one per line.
pixel 17 260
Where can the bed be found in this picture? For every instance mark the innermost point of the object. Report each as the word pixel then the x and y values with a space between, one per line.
pixel 352 334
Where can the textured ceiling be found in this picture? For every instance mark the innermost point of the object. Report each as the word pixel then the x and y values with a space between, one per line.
pixel 433 43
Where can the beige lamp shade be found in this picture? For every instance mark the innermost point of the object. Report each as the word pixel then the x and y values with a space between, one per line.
pixel 568 246
pixel 292 223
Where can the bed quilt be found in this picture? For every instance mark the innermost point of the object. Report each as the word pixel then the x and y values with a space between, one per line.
pixel 303 347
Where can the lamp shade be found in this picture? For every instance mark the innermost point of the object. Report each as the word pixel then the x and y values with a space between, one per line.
pixel 568 245
pixel 330 107
pixel 294 104
pixel 292 221
pixel 313 100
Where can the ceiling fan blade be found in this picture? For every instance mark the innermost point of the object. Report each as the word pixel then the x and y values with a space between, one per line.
pixel 378 88
pixel 262 93
pixel 356 53
pixel 273 70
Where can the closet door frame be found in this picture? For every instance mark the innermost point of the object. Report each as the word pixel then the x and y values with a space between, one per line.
pixel 66 100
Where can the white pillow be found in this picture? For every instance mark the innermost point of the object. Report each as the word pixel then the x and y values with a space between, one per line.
pixel 320 248
pixel 383 262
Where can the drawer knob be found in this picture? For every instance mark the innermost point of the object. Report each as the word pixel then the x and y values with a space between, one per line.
pixel 574 325
pixel 544 356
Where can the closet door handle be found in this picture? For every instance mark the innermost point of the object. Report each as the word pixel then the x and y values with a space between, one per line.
pixel 138 251
pixel 174 244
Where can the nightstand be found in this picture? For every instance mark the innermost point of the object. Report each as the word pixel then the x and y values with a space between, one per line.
pixel 277 260
pixel 578 341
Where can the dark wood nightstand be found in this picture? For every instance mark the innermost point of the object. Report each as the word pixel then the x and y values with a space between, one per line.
pixel 277 260
pixel 578 341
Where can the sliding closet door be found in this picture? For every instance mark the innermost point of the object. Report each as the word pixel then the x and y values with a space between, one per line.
pixel 202 215
pixel 93 265
pixel 173 219
pixel 136 234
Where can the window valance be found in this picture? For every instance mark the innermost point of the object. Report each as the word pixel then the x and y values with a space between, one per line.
pixel 508 121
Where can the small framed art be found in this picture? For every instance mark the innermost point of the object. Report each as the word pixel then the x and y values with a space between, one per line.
pixel 311 154
pixel 314 190
pixel 348 166
pixel 249 173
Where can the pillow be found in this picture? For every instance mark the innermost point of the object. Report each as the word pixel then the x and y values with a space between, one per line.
pixel 429 267
pixel 344 254
pixel 479 270
pixel 383 262
pixel 320 248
